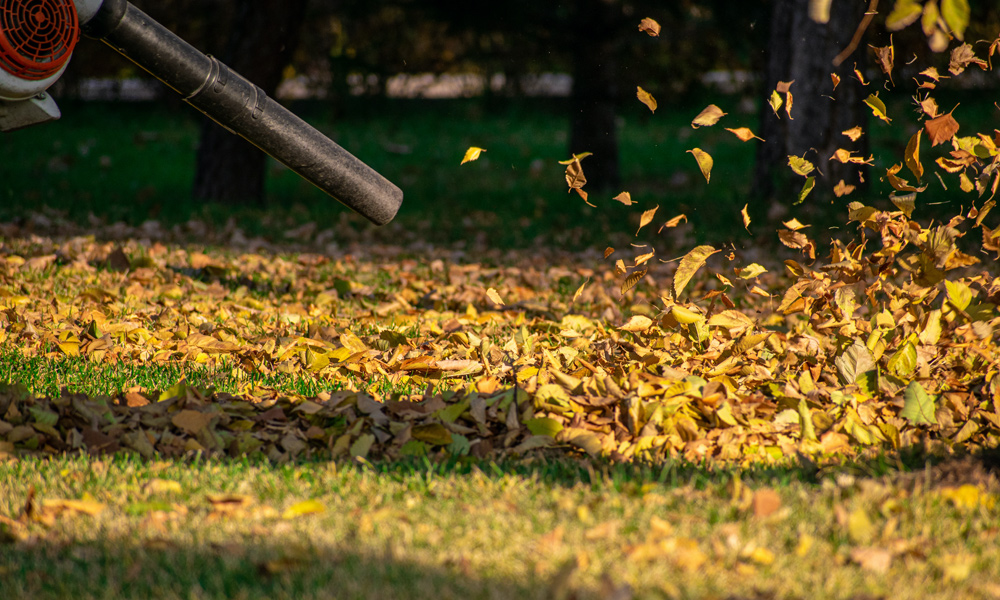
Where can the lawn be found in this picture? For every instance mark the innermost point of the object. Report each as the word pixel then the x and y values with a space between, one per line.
pixel 506 392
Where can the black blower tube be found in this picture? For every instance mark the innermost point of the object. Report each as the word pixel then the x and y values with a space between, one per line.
pixel 243 108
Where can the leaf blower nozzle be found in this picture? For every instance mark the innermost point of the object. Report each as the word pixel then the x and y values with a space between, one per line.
pixel 231 101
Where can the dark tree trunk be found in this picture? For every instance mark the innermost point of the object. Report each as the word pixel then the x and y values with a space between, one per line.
pixel 802 50
pixel 261 43
pixel 595 91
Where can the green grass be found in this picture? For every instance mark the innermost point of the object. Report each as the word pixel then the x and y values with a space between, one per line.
pixel 46 375
pixel 530 529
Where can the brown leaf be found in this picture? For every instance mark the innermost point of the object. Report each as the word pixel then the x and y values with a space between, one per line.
pixel 608 251
pixel 885 57
pixel 765 503
pixel 649 26
pixel 633 279
pixel 192 421
pixel 941 129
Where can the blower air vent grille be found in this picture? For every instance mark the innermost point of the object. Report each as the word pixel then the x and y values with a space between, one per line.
pixel 37 36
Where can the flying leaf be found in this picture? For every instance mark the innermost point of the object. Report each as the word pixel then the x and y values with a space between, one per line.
pixel 625 198
pixel 633 279
pixel 819 10
pixel 689 265
pixel 807 187
pixel 647 218
pixel 904 13
pixel 579 290
pixel 674 222
pixel 650 27
pixel 643 258
pixel 752 271
pixel 912 155
pixel 472 154
pixel 918 405
pixel 744 134
pixel 878 107
pixel 941 129
pixel 575 178
pixel 800 166
pixel 853 133
pixel 794 224
pixel 885 57
pixel 775 101
pixel 746 217
pixel 842 188
pixel 494 296
pixel 608 251
pixel 708 117
pixel 705 162
pixel 956 14
pixel 646 98
pixel 835 79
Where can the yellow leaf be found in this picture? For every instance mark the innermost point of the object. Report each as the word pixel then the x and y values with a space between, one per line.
pixel 647 217
pixel 912 155
pixel 646 98
pixel 854 133
pixel 306 507
pixel 633 279
pixel 625 198
pixel 472 154
pixel 744 134
pixel 636 324
pixel 674 222
pixel 794 224
pixel 709 116
pixel 800 166
pixel 162 486
pixel 775 101
pixel 705 162
pixel 685 316
pixel 494 296
pixel 689 265
pixel 579 290
pixel 878 107
pixel 746 217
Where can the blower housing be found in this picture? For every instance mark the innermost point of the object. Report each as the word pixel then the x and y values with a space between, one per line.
pixel 37 38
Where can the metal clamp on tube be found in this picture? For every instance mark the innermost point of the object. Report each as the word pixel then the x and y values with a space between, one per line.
pixel 243 108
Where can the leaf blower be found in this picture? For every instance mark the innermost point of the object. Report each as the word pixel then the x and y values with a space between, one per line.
pixel 37 38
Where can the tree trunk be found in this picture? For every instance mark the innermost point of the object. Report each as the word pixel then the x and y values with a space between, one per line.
pixel 802 50
pixel 595 91
pixel 262 40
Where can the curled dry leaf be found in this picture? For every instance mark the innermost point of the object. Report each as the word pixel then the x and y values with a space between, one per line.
pixel 705 162
pixel 650 27
pixel 674 222
pixel 746 217
pixel 854 133
pixel 646 98
pixel 633 279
